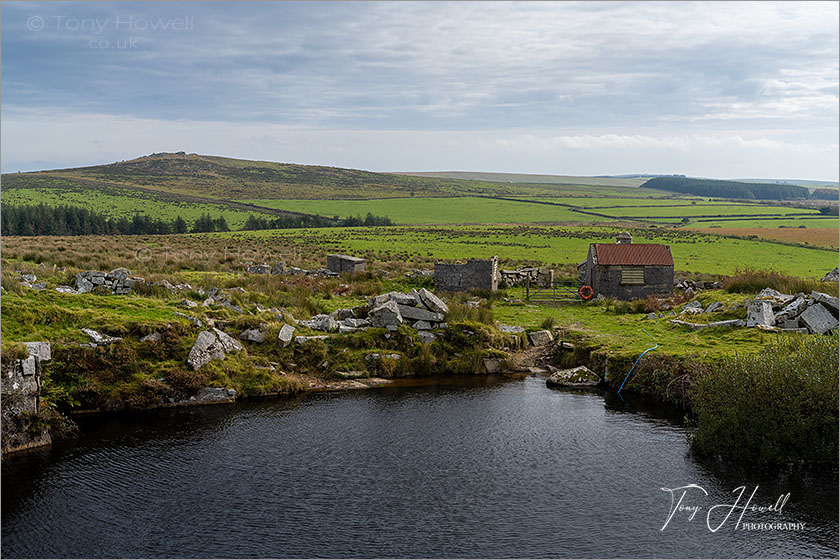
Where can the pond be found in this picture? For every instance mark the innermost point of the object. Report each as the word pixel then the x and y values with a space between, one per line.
pixel 472 467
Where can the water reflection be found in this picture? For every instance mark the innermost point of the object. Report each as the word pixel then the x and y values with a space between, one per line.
pixel 474 467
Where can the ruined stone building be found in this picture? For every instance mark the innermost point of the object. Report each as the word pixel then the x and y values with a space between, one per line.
pixel 476 274
pixel 345 263
pixel 627 270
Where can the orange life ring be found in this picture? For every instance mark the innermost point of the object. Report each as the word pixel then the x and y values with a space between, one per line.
pixel 589 292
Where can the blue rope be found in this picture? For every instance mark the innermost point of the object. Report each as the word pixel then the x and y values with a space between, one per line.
pixel 655 345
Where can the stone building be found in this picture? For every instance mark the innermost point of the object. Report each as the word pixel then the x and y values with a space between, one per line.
pixel 627 270
pixel 476 274
pixel 345 263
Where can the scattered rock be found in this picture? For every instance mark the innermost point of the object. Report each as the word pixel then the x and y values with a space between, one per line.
pixel 98 339
pixel 792 309
pixel 229 344
pixel 83 285
pixel 325 323
pixel 832 276
pixel 386 315
pixel 818 319
pixel 285 336
pixel 508 329
pixel 252 335
pixel 579 377
pixel 278 268
pixel 492 365
pixel 760 313
pixel 826 300
pixel 67 290
pixel 432 302
pixel 28 278
pixel 258 269
pixel 154 337
pixel 426 337
pixel 419 314
pixel 728 323
pixel 342 314
pixel 40 350
pixel 212 395
pixel 712 307
pixel 692 326
pixel 541 338
pixel 188 303
pixel 193 320
pixel 423 326
pixel 305 339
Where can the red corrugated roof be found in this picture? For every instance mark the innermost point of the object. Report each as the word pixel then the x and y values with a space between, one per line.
pixel 634 254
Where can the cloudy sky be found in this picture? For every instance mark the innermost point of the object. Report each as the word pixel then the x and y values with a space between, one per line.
pixel 719 89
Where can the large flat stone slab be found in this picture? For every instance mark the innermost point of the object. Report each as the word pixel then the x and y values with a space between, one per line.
pixel 818 319
pixel 760 313
pixel 826 300
pixel 419 314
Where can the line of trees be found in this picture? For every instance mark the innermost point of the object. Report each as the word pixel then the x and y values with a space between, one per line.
pixel 74 220
pixel 306 221
pixel 735 189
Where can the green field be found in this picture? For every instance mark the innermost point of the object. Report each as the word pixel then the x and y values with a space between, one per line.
pixel 553 246
pixel 707 210
pixel 119 203
pixel 457 210
pixel 532 178
pixel 769 223
pixel 477 210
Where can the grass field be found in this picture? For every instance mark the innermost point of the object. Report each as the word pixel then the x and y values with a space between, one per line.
pixel 554 246
pixel 532 178
pixel 559 247
pixel 768 223
pixel 119 203
pixel 459 210
pixel 820 236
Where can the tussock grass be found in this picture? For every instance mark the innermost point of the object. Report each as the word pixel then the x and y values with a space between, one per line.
pixel 779 405
pixel 753 281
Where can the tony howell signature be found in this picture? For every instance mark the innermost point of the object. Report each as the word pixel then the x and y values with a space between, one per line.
pixel 718 514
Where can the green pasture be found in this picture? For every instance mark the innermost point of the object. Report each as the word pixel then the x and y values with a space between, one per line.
pixel 792 221
pixel 119 203
pixel 692 210
pixel 552 246
pixel 457 210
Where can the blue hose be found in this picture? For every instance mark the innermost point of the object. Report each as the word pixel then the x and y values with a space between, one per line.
pixel 655 345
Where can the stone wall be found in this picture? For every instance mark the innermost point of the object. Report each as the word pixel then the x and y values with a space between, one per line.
pixel 606 281
pixel 21 388
pixel 474 275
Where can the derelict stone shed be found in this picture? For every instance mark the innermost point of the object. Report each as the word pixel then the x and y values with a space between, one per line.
pixel 476 274
pixel 627 270
pixel 345 263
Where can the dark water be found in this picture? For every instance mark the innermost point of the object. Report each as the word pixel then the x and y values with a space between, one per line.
pixel 487 467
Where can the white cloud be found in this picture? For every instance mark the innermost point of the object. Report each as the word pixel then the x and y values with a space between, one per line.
pixel 71 138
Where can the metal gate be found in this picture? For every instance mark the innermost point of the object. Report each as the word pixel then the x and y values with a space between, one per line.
pixel 558 292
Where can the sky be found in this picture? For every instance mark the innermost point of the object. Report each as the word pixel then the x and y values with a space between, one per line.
pixel 717 89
